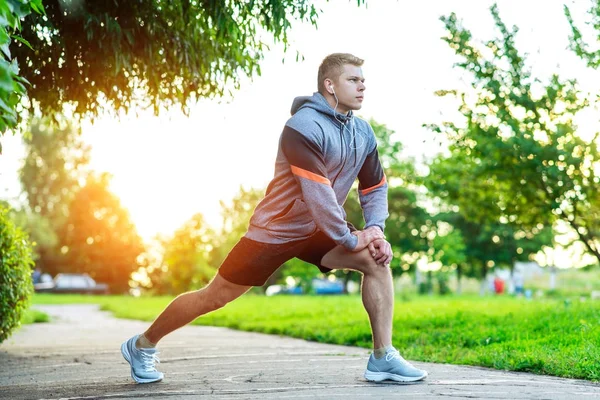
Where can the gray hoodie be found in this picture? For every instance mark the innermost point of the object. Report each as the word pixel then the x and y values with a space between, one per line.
pixel 321 153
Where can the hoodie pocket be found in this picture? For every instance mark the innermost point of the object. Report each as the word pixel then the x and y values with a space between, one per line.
pixel 294 222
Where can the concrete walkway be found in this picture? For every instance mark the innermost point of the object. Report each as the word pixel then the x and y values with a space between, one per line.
pixel 77 356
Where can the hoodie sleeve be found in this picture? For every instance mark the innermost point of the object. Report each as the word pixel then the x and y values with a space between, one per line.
pixel 372 191
pixel 307 164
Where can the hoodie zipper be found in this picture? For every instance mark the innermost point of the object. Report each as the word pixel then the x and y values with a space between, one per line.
pixel 342 159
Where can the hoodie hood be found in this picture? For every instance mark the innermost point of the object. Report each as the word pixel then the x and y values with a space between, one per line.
pixel 319 103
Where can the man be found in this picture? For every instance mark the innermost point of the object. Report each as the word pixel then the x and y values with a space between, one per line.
pixel 322 150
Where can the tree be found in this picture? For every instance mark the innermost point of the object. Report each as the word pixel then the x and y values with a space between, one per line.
pixel 302 272
pixel 15 274
pixel 53 171
pixel 186 259
pixel 449 249
pixel 517 158
pixel 41 234
pixel 236 218
pixel 119 54
pixel 149 53
pixel 486 245
pixel 12 85
pixel 55 163
pixel 406 226
pixel 576 39
pixel 99 237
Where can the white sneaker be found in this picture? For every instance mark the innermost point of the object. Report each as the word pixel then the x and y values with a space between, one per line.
pixel 392 367
pixel 142 362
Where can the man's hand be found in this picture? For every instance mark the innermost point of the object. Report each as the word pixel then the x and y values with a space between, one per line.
pixel 367 236
pixel 381 251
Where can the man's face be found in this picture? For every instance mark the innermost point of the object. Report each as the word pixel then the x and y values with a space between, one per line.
pixel 350 89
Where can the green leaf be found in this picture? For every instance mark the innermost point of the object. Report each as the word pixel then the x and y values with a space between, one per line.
pixel 22 79
pixel 129 37
pixel 20 9
pixel 5 50
pixel 20 39
pixel 20 88
pixel 37 6
pixel 6 81
pixel 4 37
pixel 11 119
pixel 7 18
pixel 5 106
pixel 14 67
pixel 3 18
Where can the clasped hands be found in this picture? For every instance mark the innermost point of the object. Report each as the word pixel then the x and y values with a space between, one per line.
pixel 374 239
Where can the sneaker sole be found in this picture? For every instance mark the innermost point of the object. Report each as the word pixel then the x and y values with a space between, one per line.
pixel 382 376
pixel 127 357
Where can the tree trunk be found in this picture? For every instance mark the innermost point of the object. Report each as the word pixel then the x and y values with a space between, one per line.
pixel 586 239
pixel 552 277
pixel 347 279
pixel 430 281
pixel 483 287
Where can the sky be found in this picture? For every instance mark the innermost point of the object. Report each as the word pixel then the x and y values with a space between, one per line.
pixel 167 168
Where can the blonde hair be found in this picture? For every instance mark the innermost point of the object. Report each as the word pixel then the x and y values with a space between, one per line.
pixel 332 67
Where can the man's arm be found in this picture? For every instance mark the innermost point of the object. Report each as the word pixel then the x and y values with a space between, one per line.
pixel 307 163
pixel 372 191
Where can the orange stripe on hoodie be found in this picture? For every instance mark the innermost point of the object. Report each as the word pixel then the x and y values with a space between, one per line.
pixel 368 190
pixel 309 175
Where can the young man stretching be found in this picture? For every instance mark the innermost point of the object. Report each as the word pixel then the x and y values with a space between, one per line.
pixel 322 150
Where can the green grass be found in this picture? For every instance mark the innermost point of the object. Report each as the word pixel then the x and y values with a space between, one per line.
pixel 554 337
pixel 32 316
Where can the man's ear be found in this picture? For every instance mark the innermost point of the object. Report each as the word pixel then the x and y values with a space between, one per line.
pixel 329 86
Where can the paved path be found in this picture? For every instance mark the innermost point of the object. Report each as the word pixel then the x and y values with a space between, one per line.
pixel 77 356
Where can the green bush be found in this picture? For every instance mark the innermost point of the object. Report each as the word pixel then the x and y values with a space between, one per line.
pixel 15 274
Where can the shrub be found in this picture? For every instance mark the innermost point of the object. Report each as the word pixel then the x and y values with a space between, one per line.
pixel 15 274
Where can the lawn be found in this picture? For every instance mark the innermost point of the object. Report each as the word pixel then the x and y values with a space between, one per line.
pixel 544 336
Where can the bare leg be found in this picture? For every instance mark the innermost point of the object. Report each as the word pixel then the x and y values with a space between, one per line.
pixel 189 306
pixel 377 289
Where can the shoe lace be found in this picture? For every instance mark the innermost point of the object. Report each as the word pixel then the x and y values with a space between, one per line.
pixel 149 360
pixel 393 354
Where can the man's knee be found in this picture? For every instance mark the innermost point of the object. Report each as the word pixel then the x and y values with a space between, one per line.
pixel 367 265
pixel 361 261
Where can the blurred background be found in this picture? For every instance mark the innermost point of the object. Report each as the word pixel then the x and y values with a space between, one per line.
pixel 148 135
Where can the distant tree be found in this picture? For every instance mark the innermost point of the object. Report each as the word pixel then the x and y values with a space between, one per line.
pixel 55 167
pixel 517 160
pixel 185 263
pixel 99 237
pixel 236 218
pixel 302 272
pixel 449 249
pixel 41 234
pixel 56 162
pixel 408 221
pixel 485 245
